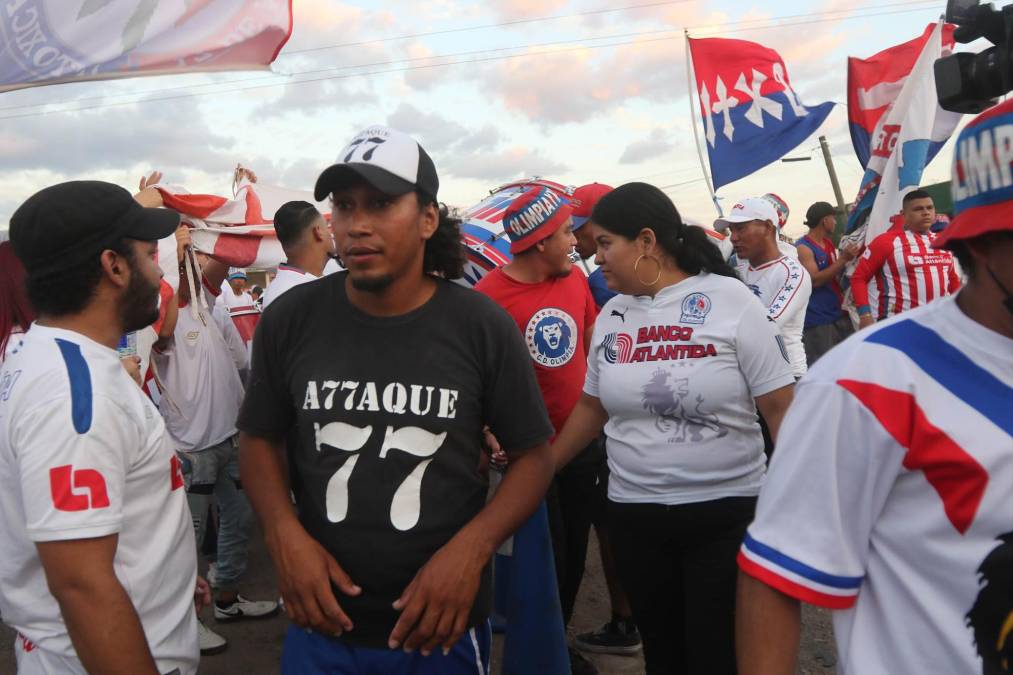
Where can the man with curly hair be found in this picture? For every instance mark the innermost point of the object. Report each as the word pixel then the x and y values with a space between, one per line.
pixel 376 382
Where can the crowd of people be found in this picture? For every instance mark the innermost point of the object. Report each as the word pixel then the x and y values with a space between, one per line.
pixel 690 400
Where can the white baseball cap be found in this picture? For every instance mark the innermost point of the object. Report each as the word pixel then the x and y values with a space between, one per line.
pixel 389 160
pixel 751 208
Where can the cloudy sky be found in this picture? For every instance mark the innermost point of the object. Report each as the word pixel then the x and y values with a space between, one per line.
pixel 493 90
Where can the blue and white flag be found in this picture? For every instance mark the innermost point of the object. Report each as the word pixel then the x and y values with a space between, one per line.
pixel 751 114
pixel 912 129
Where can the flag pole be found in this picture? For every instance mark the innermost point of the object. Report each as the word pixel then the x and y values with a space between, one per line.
pixel 696 128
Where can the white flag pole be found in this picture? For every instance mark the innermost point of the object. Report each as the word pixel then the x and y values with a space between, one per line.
pixel 696 128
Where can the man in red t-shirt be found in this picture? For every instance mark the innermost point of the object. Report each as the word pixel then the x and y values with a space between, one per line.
pixel 552 304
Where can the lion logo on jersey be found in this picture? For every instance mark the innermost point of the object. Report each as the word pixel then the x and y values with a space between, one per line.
pixel 551 337
pixel 991 616
pixel 551 334
pixel 665 400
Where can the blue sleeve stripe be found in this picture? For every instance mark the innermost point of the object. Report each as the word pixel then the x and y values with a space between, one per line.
pixel 801 569
pixel 80 385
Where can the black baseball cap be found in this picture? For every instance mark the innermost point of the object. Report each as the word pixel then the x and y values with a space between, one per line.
pixel 818 212
pixel 70 223
pixel 389 160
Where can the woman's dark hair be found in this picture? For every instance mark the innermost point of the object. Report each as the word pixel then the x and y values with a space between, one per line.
pixel 444 255
pixel 15 310
pixel 69 290
pixel 631 207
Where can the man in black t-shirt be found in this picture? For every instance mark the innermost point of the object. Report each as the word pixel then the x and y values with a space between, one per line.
pixel 379 381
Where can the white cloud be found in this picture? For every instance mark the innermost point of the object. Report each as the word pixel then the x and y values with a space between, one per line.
pixel 501 166
pixel 655 145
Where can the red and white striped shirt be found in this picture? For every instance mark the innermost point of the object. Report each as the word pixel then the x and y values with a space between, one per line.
pixel 900 271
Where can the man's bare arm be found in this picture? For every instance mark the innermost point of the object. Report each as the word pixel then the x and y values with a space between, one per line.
pixel 767 627
pixel 832 271
pixel 436 604
pixel 305 569
pixel 101 620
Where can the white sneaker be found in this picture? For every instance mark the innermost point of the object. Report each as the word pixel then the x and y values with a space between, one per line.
pixel 212 575
pixel 246 609
pixel 210 641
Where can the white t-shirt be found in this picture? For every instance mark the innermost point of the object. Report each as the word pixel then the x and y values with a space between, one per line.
pixel 13 342
pixel 889 491
pixel 227 327
pixel 84 453
pixel 288 277
pixel 230 300
pixel 784 287
pixel 677 374
pixel 203 391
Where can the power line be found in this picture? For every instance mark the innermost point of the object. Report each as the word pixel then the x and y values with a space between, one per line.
pixel 721 27
pixel 599 11
pixel 376 41
pixel 676 34
pixel 274 76
pixel 680 184
pixel 467 29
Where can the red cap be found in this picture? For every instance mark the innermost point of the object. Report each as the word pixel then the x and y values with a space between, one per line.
pixel 981 185
pixel 584 199
pixel 535 215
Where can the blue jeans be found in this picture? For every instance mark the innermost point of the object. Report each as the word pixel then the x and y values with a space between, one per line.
pixel 309 653
pixel 214 472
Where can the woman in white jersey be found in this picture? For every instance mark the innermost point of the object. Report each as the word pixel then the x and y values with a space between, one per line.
pixel 680 362
pixel 16 313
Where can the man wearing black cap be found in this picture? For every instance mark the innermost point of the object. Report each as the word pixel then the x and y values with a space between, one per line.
pixel 99 567
pixel 825 323
pixel 381 379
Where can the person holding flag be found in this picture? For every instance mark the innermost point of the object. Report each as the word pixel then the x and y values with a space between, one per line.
pixel 825 323
pixel 890 496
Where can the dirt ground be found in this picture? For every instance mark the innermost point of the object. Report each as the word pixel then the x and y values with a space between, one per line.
pixel 255 647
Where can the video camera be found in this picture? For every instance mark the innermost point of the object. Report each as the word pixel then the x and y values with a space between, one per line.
pixel 970 83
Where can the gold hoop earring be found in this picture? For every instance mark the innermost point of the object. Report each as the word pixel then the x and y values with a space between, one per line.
pixel 636 271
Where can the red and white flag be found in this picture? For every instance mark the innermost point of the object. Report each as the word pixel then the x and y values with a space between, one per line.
pixel 52 41
pixel 238 231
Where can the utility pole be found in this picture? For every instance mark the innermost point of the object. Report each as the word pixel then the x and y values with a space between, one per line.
pixel 833 174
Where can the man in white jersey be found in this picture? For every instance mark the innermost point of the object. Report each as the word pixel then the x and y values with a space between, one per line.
pixel 724 242
pixel 98 568
pixel 890 496
pixel 202 391
pixel 779 281
pixel 308 243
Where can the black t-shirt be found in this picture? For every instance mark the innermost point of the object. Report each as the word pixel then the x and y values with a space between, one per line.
pixel 386 416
